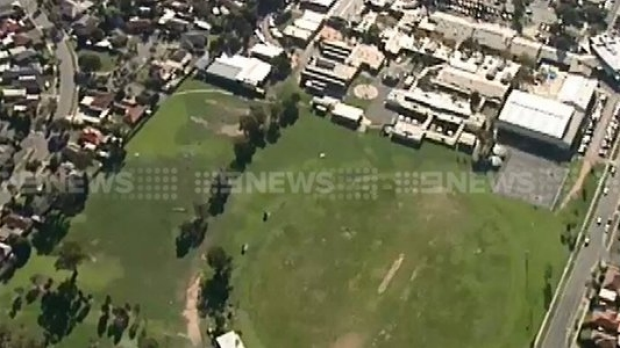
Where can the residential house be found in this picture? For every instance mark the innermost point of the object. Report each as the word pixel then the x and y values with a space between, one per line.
pixel 95 107
pixel 195 41
pixel 74 9
pixel 23 56
pixel 10 10
pixel 31 83
pixel 132 111
pixel 139 26
pixel 85 26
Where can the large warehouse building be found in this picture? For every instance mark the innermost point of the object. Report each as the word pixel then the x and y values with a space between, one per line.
pixel 545 126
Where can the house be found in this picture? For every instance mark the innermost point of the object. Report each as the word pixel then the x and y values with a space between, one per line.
pixel 181 57
pixel 195 41
pixel 31 83
pixel 131 110
pixel 24 56
pixel 74 9
pixel 9 10
pixel 95 107
pixel 85 26
pixel 18 222
pixel 138 25
pixel 229 340
pixel 202 63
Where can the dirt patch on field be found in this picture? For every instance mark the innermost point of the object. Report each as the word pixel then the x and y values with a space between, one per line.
pixel 237 111
pixel 585 170
pixel 350 340
pixel 390 274
pixel 230 130
pixel 191 312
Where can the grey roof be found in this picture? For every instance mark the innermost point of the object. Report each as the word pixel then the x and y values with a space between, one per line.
pixel 223 70
pixel 202 62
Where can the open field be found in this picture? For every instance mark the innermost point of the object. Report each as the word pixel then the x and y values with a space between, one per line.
pixel 348 268
pixel 130 238
pixel 442 269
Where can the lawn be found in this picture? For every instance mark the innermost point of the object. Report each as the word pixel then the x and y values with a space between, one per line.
pixel 130 238
pixel 317 273
pixel 108 61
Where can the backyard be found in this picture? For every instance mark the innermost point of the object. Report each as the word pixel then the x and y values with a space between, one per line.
pixel 366 264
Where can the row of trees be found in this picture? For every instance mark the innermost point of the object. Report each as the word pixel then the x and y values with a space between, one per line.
pixel 215 291
pixel 263 125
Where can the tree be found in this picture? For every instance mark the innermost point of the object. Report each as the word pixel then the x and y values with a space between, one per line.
pixel 290 110
pixel 70 256
pixel 517 16
pixel 89 62
pixel 252 129
pixel 474 100
pixel 215 291
pixel 282 66
pixel 372 35
pixel 244 150
pixel 567 13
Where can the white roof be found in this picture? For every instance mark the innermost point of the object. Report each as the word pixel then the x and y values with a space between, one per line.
pixel 313 16
pixel 306 24
pixel 298 33
pixel 229 340
pixel 536 113
pixel 608 295
pixel 577 90
pixel 347 111
pixel 266 50
pixel 607 48
pixel 322 3
pixel 253 71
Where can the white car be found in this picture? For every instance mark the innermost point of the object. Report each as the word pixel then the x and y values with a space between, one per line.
pixel 599 220
pixel 612 170
pixel 605 191
pixel 586 241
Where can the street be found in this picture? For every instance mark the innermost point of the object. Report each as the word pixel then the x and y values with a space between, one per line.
pixel 561 323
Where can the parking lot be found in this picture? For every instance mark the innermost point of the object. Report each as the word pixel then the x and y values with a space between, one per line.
pixel 531 178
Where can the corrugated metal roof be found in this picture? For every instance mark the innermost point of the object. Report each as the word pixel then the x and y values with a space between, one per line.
pixel 536 113
pixel 577 90
pixel 223 70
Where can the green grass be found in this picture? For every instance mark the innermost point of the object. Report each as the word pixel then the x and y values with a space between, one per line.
pixel 312 272
pixel 108 61
pixel 131 240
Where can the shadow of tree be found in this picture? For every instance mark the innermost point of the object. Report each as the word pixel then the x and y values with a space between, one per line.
pixel 50 232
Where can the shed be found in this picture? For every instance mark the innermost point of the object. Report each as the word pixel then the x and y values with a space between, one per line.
pixel 347 113
pixel 608 295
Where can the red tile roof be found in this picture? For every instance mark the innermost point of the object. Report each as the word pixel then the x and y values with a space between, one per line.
pixel 133 114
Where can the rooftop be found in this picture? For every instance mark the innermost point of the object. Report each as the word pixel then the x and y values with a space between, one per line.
pixel 240 68
pixel 229 340
pixel 577 90
pixel 607 48
pixel 542 115
pixel 266 50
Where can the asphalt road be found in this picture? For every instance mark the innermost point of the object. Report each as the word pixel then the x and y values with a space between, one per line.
pixel 67 90
pixel 562 322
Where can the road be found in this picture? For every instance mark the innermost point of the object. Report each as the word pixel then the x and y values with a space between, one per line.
pixel 562 322
pixel 612 14
pixel 67 89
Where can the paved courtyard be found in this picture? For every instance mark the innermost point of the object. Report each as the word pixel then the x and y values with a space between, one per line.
pixel 530 178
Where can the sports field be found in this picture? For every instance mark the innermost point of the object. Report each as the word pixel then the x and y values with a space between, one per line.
pixel 441 269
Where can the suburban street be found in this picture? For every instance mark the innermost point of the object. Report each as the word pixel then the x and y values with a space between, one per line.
pixel 562 322
pixel 67 90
